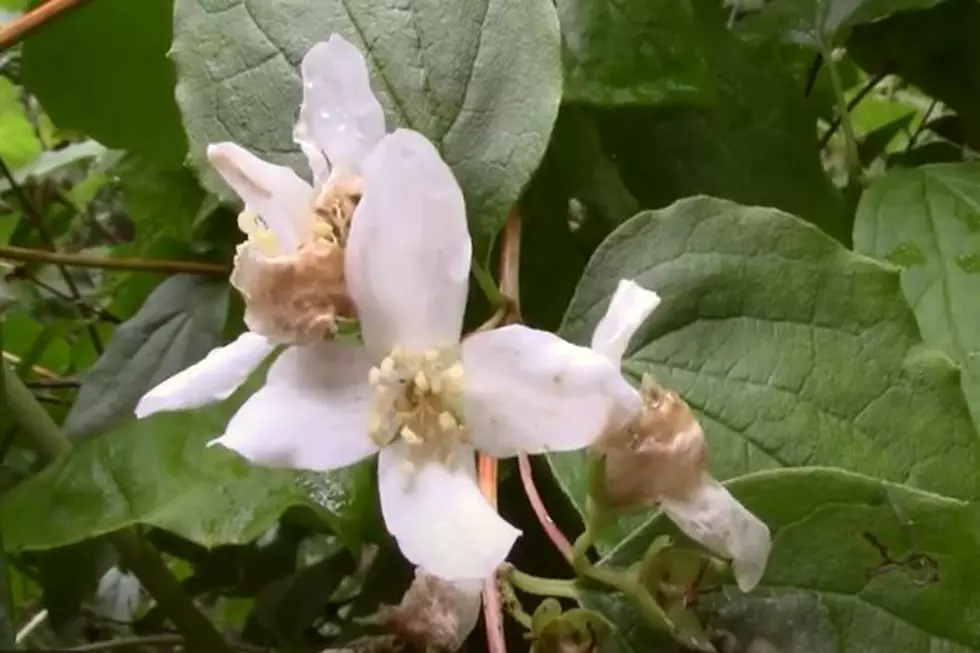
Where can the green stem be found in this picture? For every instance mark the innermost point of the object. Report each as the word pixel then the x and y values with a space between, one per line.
pixel 489 287
pixel 539 586
pixel 137 553
pixel 851 154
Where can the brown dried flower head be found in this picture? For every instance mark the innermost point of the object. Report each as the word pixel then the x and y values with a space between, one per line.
pixel 661 453
pixel 434 614
pixel 297 297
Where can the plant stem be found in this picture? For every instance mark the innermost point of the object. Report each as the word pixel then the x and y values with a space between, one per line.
pixel 539 586
pixel 36 218
pixel 856 100
pixel 13 32
pixel 540 510
pixel 492 607
pixel 850 145
pixel 134 265
pixel 921 127
pixel 137 553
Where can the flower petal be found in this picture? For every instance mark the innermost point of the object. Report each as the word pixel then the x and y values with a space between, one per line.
pixel 340 116
pixel 631 304
pixel 275 193
pixel 311 413
pixel 712 516
pixel 408 253
pixel 441 521
pixel 210 380
pixel 530 391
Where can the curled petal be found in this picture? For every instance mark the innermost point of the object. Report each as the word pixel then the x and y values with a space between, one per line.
pixel 275 193
pixel 340 116
pixel 210 380
pixel 312 412
pixel 711 516
pixel 408 253
pixel 441 521
pixel 631 304
pixel 435 614
pixel 531 391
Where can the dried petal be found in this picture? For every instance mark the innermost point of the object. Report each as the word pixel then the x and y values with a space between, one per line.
pixel 434 613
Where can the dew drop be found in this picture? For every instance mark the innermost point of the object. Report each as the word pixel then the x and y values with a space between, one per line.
pixel 969 263
pixel 325 115
pixel 906 255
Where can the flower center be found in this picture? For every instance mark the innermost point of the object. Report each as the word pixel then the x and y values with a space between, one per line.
pixel 418 398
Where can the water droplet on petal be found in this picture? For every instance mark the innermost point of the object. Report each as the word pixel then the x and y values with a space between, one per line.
pixel 325 115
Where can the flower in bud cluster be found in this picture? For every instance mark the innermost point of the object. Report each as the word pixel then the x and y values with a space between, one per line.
pixel 413 393
pixel 660 456
pixel 434 614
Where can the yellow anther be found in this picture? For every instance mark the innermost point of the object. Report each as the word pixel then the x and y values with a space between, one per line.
pixel 410 436
pixel 374 377
pixel 421 383
pixel 436 385
pixel 454 375
pixel 447 422
pixel 323 230
pixel 397 353
pixel 431 355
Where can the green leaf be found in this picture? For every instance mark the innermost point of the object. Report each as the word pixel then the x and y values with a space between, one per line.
pixel 792 350
pixel 102 69
pixel 824 20
pixel 159 471
pixel 480 78
pixel 180 322
pixel 934 50
pixel 926 220
pixel 18 143
pixel 632 52
pixel 858 566
pixel 161 202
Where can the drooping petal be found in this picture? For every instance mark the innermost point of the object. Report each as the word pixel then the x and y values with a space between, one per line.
pixel 340 116
pixel 712 516
pixel 441 521
pixel 629 307
pixel 275 193
pixel 435 614
pixel 312 412
pixel 531 391
pixel 408 253
pixel 210 380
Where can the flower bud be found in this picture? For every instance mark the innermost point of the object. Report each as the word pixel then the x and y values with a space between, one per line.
pixel 434 614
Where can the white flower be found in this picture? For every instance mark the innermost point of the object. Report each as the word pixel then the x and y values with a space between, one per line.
pixel 291 226
pixel 412 392
pixel 118 595
pixel 703 509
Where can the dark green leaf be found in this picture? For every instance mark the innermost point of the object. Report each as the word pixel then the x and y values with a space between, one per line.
pixel 103 69
pixel 858 566
pixel 158 471
pixel 161 202
pixel 180 322
pixel 480 78
pixel 792 350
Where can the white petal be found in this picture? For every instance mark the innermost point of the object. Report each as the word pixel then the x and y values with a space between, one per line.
pixel 440 519
pixel 340 116
pixel 408 253
pixel 312 412
pixel 210 380
pixel 275 193
pixel 529 390
pixel 629 307
pixel 712 516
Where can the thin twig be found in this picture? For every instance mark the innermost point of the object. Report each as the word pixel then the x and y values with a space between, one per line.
pixel 540 510
pixel 37 219
pixel 922 126
pixel 856 100
pixel 15 31
pixel 31 626
pixel 92 311
pixel 42 372
pixel 134 265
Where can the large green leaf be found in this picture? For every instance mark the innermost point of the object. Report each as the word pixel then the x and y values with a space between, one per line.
pixel 858 566
pixel 103 69
pixel 180 322
pixel 158 471
pixel 480 78
pixel 633 52
pixel 927 221
pixel 792 350
pixel 824 20
pixel 19 144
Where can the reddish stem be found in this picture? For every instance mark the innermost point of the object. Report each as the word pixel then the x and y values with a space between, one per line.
pixel 540 511
pixel 15 31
